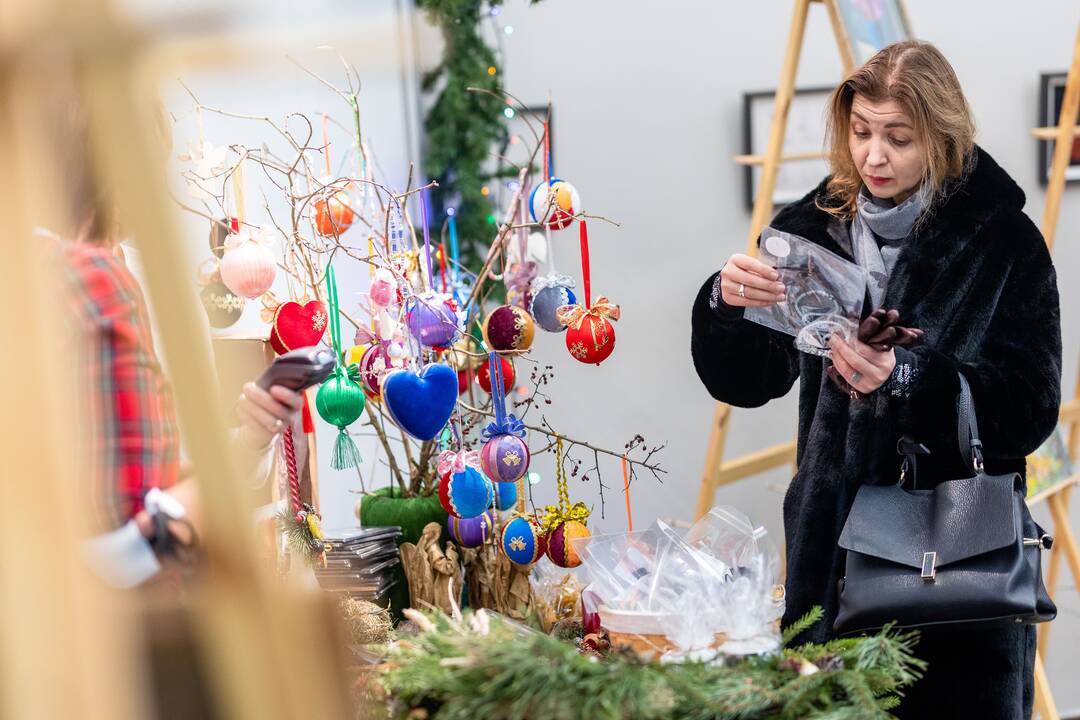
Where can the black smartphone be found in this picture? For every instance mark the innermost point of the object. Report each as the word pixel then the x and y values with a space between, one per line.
pixel 298 369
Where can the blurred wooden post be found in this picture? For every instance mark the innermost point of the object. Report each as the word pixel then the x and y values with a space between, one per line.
pixel 66 644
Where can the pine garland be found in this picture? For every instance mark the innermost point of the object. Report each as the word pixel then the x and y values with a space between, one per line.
pixel 484 666
pixel 462 127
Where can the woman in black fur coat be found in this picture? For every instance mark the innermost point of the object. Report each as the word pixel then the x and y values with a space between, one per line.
pixel 939 227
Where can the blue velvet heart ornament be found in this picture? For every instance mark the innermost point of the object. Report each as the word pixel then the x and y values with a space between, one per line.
pixel 421 403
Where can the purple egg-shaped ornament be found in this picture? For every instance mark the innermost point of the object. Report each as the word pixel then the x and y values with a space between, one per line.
pixel 432 319
pixel 471 532
pixel 505 458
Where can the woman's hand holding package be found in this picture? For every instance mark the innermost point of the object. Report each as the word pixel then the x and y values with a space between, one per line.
pixel 748 282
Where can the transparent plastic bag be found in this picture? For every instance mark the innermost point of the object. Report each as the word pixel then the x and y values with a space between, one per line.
pixel 710 592
pixel 824 292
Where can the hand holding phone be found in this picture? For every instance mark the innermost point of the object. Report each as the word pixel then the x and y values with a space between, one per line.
pixel 299 369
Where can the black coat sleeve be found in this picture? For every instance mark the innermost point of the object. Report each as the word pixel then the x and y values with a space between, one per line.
pixel 1015 375
pixel 740 362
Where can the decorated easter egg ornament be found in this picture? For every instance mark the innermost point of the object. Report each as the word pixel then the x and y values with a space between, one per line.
pixel 463 490
pixel 564 522
pixel 472 532
pixel 509 327
pixel 549 293
pixel 505 456
pixel 522 540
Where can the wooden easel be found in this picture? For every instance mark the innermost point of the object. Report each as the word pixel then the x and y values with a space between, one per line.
pixel 718 472
pixel 1057 497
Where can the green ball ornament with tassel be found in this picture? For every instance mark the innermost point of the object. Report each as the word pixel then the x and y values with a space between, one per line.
pixel 340 402
pixel 340 399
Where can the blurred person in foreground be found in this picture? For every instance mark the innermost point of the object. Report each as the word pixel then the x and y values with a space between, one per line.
pixel 142 499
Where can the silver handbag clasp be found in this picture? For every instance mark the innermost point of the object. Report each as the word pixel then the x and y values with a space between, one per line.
pixel 929 566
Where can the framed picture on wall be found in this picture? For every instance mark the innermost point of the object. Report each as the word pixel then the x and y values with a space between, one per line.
pixel 870 25
pixel 1051 92
pixel 805 134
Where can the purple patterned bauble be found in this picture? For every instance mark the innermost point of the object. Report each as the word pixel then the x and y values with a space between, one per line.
pixel 505 458
pixel 432 319
pixel 508 328
pixel 374 364
pixel 471 532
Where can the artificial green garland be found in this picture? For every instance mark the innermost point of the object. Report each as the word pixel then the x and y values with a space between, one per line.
pixel 463 127
pixel 486 667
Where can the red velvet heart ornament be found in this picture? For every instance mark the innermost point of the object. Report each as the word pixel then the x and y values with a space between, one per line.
pixel 296 326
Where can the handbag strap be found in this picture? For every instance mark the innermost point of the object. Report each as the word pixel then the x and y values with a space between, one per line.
pixel 968 427
pixel 967 432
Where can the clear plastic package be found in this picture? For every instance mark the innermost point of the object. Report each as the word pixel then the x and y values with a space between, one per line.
pixel 824 292
pixel 710 593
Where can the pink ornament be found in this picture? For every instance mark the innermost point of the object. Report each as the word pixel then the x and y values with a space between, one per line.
pixel 384 289
pixel 248 267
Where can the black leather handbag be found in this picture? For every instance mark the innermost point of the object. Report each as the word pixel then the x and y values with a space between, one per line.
pixel 961 555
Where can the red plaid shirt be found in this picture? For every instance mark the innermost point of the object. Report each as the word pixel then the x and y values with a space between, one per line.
pixel 133 436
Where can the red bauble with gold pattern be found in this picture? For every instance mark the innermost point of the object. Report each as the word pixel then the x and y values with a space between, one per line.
pixel 592 341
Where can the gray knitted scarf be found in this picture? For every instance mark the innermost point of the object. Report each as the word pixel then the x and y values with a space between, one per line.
pixel 882 221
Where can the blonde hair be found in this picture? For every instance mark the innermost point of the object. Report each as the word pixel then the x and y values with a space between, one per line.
pixel 921 81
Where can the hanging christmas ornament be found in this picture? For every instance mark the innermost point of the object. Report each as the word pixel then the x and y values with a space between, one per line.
pixel 590 336
pixel 508 328
pixel 332 212
pixel 523 540
pixel 248 266
pixel 505 456
pixel 295 326
pixel 463 490
pixel 564 522
pixel 375 364
pixel 471 532
pixel 483 375
pixel 505 495
pixel 300 523
pixel 560 549
pixel 464 377
pixel 421 403
pixel 223 307
pixel 557 201
pixel 340 400
pixel 549 293
pixel 432 319
pixel 384 289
